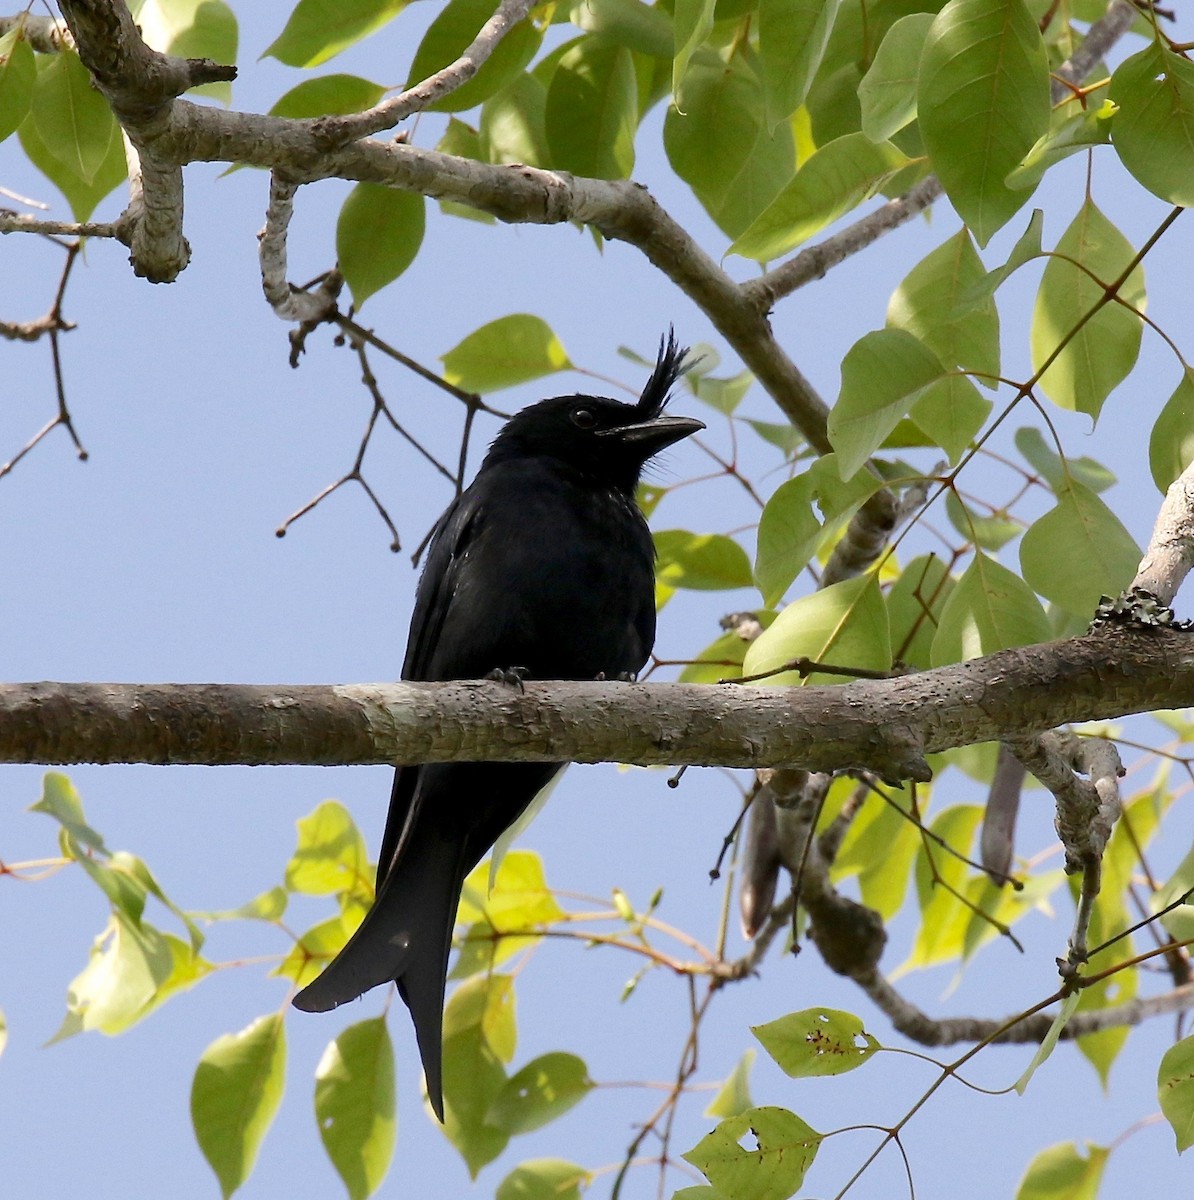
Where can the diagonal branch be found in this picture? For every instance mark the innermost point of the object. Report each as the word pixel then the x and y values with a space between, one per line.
pixel 336 131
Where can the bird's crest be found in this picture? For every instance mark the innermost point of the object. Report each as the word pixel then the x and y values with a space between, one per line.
pixel 669 366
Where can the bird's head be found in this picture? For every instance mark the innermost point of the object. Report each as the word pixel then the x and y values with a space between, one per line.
pixel 600 437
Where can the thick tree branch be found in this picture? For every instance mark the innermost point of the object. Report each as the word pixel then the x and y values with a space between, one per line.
pixel 882 725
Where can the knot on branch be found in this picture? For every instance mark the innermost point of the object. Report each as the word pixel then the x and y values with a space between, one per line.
pixel 850 936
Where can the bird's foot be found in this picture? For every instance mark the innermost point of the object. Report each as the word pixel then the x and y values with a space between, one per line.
pixel 620 677
pixel 511 676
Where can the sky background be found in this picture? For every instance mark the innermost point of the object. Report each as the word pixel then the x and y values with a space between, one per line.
pixel 156 561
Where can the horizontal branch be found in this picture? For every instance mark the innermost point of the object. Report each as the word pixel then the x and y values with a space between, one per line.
pixel 886 726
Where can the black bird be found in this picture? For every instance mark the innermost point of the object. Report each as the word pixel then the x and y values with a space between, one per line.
pixel 544 566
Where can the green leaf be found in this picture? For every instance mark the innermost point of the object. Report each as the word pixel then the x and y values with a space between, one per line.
pixel 592 110
pixel 485 1006
pixel 1153 130
pixel 1102 352
pixel 18 74
pixel 702 561
pixel 914 607
pixel 330 856
pixel 378 234
pixel 544 1179
pixel 772 1169
pixel 355 1107
pixel 927 305
pixel 983 101
pixel 1057 472
pixel 845 624
pixel 888 89
pixel 733 1097
pixel 503 918
pixel 128 962
pixel 883 374
pixel 879 847
pixel 944 920
pixel 267 906
pixel 1078 552
pixel 951 412
pixel 989 609
pixel 452 32
pixel 314 950
pixel 1027 247
pixel 328 95
pixel 790 532
pixel 234 1096
pixel 630 23
pixel 191 29
pixel 692 23
pixel 724 395
pixel 82 197
pixel 793 35
pixel 1062 1173
pixel 1079 132
pixel 719 143
pixel 991 531
pixel 838 177
pixel 516 898
pixel 319 29
pixel 1175 1090
pixel 513 128
pixel 722 659
pixel 73 120
pixel 60 800
pixel 511 350
pixel 816 1041
pixel 479 1032
pixel 1049 1042
pixel 546 1088
pixel 1171 445
pixel 784 437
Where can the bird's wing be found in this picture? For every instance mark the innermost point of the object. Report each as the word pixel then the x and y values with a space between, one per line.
pixel 433 598
pixel 456 529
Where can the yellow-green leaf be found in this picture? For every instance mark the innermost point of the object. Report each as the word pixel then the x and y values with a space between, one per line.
pixel 1078 552
pixel 1171 444
pixel 762 1153
pixel 378 234
pixel 1153 130
pixel 319 29
pixel 816 1041
pixel 18 74
pixel 234 1096
pixel 983 100
pixel 1061 1172
pixel 1086 365
pixel 883 374
pixel 546 1088
pixel 839 176
pixel 989 609
pixel 845 624
pixel 330 856
pixel 355 1105
pixel 1175 1090
pixel 511 350
pixel 73 120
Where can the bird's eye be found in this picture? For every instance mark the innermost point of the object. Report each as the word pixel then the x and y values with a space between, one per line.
pixel 584 418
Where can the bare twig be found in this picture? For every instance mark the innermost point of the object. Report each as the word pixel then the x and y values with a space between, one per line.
pixel 336 131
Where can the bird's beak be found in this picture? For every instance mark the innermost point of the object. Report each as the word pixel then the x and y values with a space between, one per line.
pixel 652 436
